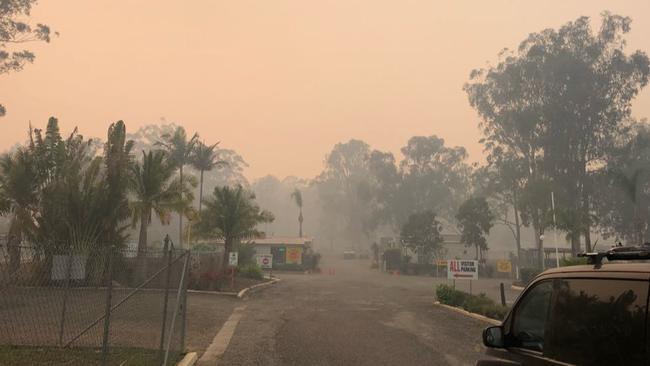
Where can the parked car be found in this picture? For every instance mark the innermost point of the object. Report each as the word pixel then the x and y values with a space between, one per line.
pixel 349 254
pixel 592 314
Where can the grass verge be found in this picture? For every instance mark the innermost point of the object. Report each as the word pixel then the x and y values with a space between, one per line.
pixel 54 356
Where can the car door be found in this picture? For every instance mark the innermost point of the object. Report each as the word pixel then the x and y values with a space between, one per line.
pixel 526 328
pixel 578 321
pixel 598 321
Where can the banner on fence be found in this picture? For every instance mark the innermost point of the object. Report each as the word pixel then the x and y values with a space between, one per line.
pixel 294 255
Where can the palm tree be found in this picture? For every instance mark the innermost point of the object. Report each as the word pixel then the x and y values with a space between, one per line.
pixel 154 192
pixel 297 197
pixel 180 151
pixel 18 198
pixel 117 160
pixel 205 159
pixel 231 214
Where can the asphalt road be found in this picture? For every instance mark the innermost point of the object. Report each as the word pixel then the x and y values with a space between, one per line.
pixel 354 316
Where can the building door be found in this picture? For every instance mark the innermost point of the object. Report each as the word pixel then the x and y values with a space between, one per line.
pixel 279 255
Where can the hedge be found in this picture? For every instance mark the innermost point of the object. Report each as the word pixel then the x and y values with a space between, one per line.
pixel 480 304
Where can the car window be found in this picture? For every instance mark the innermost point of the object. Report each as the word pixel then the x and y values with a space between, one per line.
pixel 529 320
pixel 598 322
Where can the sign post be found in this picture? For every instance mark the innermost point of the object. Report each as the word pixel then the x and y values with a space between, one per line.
pixel 265 261
pixel 462 270
pixel 233 260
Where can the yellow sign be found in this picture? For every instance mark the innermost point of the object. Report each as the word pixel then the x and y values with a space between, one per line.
pixel 294 255
pixel 504 266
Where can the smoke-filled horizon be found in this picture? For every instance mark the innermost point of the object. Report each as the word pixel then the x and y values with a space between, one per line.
pixel 281 82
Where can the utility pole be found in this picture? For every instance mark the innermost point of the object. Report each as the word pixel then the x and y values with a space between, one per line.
pixel 557 255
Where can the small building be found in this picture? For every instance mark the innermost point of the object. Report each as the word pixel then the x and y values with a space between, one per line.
pixel 284 249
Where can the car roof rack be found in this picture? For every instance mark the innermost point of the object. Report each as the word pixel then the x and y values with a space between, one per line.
pixel 619 252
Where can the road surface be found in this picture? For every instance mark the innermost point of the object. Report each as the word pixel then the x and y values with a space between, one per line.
pixel 350 315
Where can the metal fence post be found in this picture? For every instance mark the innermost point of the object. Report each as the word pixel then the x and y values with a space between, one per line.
pixel 168 249
pixel 176 311
pixel 66 289
pixel 184 299
pixel 503 294
pixel 107 311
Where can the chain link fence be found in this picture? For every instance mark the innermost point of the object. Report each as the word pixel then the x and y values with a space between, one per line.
pixel 92 305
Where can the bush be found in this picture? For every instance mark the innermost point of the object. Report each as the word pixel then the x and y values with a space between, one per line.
pixel 251 271
pixel 246 254
pixel 572 261
pixel 310 261
pixel 393 258
pixel 480 304
pixel 527 274
pixel 450 296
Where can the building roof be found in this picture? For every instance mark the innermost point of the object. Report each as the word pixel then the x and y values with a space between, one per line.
pixel 283 240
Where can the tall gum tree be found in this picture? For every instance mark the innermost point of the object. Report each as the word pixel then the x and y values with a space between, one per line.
pixel 555 103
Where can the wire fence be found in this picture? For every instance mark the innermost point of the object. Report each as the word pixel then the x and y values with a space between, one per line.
pixel 92 305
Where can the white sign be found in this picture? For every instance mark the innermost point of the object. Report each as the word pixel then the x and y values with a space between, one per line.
pixel 265 261
pixel 233 259
pixel 68 267
pixel 462 270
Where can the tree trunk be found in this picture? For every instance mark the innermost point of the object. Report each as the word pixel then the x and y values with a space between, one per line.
pixel 141 262
pixel 477 258
pixel 227 248
pixel 587 225
pixel 201 191
pixel 13 247
pixel 300 223
pixel 575 243
pixel 180 213
pixel 517 224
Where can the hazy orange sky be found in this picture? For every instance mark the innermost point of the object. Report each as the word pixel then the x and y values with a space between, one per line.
pixel 280 81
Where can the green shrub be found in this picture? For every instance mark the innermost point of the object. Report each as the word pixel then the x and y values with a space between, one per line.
pixel 479 304
pixel 527 274
pixel 245 254
pixel 572 261
pixel 449 296
pixel 251 271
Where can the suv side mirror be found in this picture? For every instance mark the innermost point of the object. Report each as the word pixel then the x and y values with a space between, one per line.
pixel 493 337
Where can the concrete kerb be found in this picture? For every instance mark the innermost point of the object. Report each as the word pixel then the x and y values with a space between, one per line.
pixel 239 294
pixel 189 359
pixel 467 313
pixel 243 292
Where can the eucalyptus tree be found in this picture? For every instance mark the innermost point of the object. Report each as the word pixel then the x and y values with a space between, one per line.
pixel 205 158
pixel 231 214
pixel 343 178
pixel 296 195
pixel 14 29
pixel 180 150
pixel 421 233
pixel 555 103
pixel 475 219
pixel 434 177
pixel 623 188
